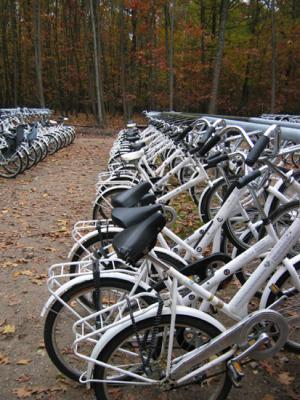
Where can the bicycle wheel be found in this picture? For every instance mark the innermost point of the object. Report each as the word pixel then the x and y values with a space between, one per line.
pixel 58 334
pixel 10 166
pixel 123 351
pixel 289 308
pixel 213 198
pixel 52 143
pixel 59 140
pixel 103 207
pixel 286 189
pixel 38 150
pixel 44 148
pixel 32 156
pixel 197 190
pixel 281 219
pixel 243 227
pixel 24 157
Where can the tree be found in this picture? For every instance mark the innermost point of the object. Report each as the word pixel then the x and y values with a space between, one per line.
pixel 122 62
pixel 274 58
pixel 218 60
pixel 37 47
pixel 100 115
pixel 171 56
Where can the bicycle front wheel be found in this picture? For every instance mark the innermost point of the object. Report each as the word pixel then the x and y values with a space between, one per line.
pixel 289 308
pixel 11 166
pixel 75 303
pixel 123 352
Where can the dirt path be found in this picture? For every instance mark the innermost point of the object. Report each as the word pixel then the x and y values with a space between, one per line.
pixel 37 211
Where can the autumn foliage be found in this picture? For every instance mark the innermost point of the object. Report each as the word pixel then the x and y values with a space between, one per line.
pixel 143 47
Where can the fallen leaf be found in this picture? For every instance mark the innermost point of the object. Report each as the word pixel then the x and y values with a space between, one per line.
pixel 23 362
pixel 268 368
pixel 7 329
pixel 24 378
pixel 9 264
pixel 3 359
pixel 20 273
pixel 22 393
pixel 285 378
pixel 14 302
pixel 268 397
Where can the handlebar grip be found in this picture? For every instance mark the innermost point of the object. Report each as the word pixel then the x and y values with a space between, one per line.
pixel 257 149
pixel 209 144
pixel 248 178
pixel 183 134
pixel 216 160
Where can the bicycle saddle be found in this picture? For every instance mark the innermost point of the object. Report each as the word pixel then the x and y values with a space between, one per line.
pixel 149 198
pixel 135 155
pixel 132 138
pixel 126 217
pixel 135 242
pixel 131 197
pixel 137 146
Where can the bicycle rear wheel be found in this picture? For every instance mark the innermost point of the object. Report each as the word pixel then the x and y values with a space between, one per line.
pixel 123 351
pixel 11 166
pixel 58 333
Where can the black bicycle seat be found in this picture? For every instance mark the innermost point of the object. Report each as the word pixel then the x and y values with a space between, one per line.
pixel 135 242
pixel 126 216
pixel 131 197
pixel 148 199
pixel 132 138
pixel 137 146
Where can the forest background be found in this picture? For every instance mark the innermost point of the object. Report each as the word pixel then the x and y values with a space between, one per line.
pixel 106 57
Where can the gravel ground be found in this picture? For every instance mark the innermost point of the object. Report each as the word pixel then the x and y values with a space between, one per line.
pixel 37 211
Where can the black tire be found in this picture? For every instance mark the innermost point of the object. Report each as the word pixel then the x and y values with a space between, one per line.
pixel 25 158
pixel 59 139
pixel 237 226
pixel 213 198
pixel 284 188
pixel 53 144
pixel 38 150
pixel 11 166
pixel 281 219
pixel 289 308
pixel 63 138
pixel 197 332
pixel 58 334
pixel 32 156
pixel 44 147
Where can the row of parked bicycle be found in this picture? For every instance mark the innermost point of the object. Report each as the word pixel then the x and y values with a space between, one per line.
pixel 27 136
pixel 139 307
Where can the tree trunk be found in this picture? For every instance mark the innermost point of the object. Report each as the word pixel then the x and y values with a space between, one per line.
pixel 15 52
pixel 202 38
pixel 171 56
pixel 122 60
pixel 37 48
pixel 218 60
pixel 274 59
pixel 99 51
pixel 100 118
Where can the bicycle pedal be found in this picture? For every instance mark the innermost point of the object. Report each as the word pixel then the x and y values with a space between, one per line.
pixel 235 373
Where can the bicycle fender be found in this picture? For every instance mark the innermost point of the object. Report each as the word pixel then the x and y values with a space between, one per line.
pixel 88 236
pixel 125 187
pixel 151 312
pixel 84 278
pixel 171 254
